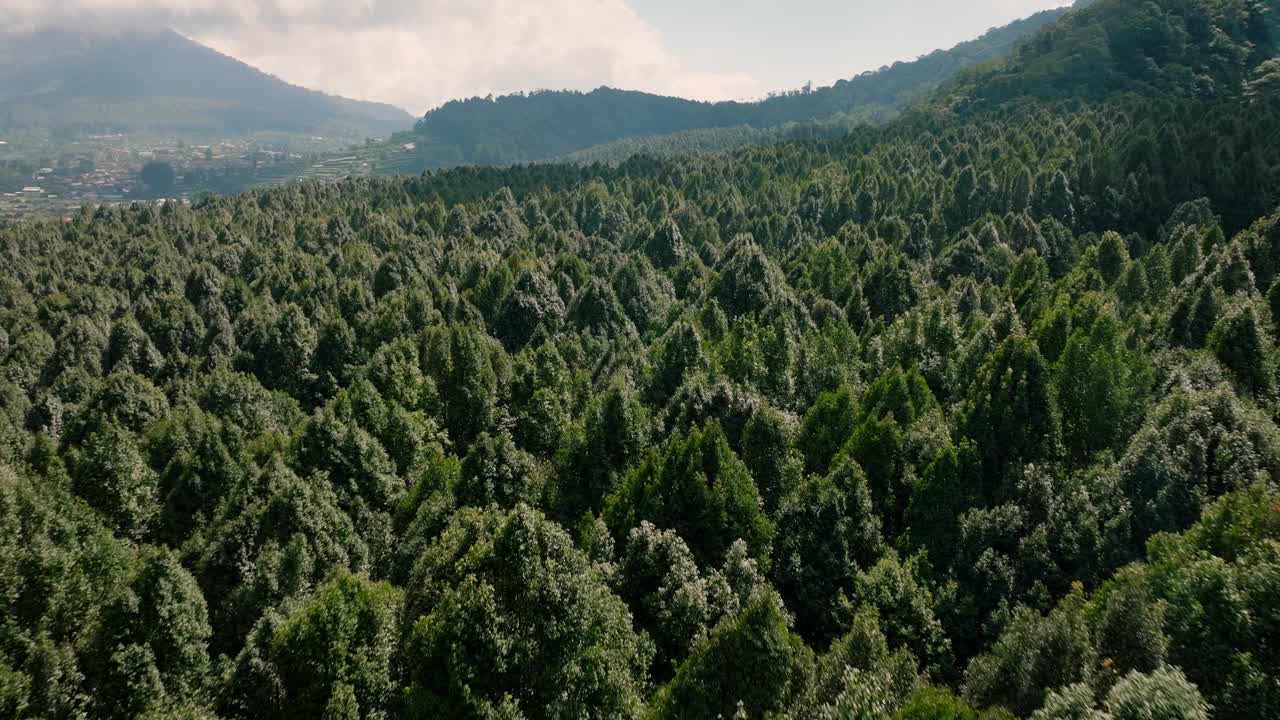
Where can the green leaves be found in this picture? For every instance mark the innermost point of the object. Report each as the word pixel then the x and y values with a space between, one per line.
pixel 1011 413
pixel 701 489
pixel 750 662
pixel 503 612
pixel 893 395
pixel 334 653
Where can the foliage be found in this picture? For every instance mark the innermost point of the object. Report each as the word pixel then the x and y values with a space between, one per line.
pixel 980 400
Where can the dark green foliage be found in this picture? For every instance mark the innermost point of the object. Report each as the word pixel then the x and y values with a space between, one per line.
pixel 1032 654
pixel 951 484
pixel 597 453
pixel 1099 386
pixel 112 474
pixel 152 642
pixel 1193 447
pixel 503 613
pixel 495 471
pixel 827 426
pixel 907 608
pixel 1243 345
pixel 768 449
pixel 331 653
pixel 930 396
pixel 698 487
pixel 751 661
pixel 1011 413
pixel 827 529
pixel 859 675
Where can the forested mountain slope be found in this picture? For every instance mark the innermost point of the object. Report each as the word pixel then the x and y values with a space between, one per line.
pixel 548 124
pixel 70 82
pixel 969 415
pixel 1169 49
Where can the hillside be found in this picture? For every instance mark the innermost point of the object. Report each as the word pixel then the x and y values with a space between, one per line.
pixel 67 83
pixel 1170 49
pixel 967 415
pixel 549 124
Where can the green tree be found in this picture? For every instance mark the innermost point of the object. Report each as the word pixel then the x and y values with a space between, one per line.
pixel 698 487
pixel 159 177
pixel 1099 387
pixel 1194 447
pixel 1011 413
pixel 471 371
pixel 1033 654
pixel 750 662
pixel 156 632
pixel 826 427
pixel 333 651
pixel 659 579
pixel 111 473
pixel 1244 346
pixel 1163 695
pixel 951 484
pixel 768 449
pixel 496 471
pixel 827 530
pixel 503 614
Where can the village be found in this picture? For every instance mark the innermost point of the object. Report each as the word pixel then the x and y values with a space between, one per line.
pixel 48 180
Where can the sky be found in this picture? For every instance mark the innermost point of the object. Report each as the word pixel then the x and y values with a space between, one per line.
pixel 418 54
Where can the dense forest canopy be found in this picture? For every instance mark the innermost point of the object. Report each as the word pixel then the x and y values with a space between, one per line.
pixel 967 415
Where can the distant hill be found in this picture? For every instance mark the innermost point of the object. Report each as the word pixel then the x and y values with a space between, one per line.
pixel 70 83
pixel 550 124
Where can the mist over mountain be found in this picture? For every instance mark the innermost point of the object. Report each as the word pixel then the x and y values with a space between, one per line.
pixel 71 82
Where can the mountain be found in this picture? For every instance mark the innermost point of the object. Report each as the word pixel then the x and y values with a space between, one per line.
pixel 548 124
pixel 69 83
pixel 967 414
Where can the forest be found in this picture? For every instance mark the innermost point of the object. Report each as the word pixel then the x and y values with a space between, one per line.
pixel 970 415
pixel 549 125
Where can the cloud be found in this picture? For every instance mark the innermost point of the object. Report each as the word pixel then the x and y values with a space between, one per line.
pixel 414 53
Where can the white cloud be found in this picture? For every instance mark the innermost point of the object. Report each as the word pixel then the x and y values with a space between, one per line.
pixel 415 53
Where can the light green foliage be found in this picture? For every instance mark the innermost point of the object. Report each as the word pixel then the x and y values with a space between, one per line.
pixel 1163 695
pixel 1073 702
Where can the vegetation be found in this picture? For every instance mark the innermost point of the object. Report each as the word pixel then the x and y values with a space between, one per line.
pixel 613 124
pixel 968 415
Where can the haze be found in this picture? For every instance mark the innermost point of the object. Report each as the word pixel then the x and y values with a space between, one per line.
pixel 420 53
